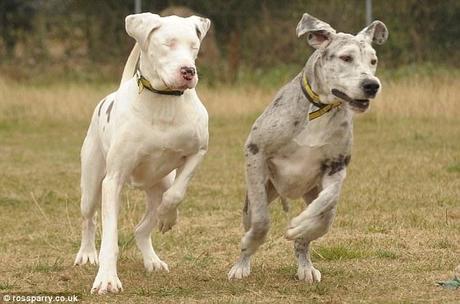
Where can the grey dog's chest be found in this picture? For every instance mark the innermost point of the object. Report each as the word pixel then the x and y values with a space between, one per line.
pixel 322 147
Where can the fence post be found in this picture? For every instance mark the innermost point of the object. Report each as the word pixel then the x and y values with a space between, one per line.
pixel 368 12
pixel 137 6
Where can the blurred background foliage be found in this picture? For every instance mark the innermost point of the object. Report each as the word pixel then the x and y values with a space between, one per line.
pixel 85 40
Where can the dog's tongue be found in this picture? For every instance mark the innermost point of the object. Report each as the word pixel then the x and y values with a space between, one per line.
pixel 341 95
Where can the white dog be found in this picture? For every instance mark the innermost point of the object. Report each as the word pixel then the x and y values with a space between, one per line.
pixel 152 133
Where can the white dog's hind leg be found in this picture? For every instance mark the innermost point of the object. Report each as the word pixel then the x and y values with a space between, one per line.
pixel 92 173
pixel 148 222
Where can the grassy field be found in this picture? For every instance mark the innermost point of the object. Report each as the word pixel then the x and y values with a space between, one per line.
pixel 397 231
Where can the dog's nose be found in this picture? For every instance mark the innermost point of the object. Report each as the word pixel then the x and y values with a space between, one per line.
pixel 188 72
pixel 370 87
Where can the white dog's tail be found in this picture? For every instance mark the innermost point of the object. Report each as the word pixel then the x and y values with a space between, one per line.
pixel 131 64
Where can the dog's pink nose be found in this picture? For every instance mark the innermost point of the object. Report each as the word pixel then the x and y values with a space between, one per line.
pixel 187 72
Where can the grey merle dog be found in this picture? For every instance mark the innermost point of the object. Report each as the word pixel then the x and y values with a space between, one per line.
pixel 300 145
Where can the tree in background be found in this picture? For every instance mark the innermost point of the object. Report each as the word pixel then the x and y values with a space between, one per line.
pixel 251 35
pixel 15 18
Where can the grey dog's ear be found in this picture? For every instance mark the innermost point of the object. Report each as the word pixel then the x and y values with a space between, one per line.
pixel 202 25
pixel 376 32
pixel 139 26
pixel 319 33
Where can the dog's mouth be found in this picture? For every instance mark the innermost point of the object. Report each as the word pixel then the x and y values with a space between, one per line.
pixel 359 105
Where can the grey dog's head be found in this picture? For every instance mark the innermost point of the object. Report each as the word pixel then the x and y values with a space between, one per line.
pixel 344 64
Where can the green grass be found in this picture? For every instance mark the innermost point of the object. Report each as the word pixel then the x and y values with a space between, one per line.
pixel 396 233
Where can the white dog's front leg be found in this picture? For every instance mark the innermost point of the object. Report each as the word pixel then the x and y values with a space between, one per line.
pixel 107 278
pixel 167 211
pixel 316 219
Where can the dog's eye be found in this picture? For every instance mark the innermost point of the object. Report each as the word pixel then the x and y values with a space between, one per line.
pixel 374 61
pixel 346 58
pixel 170 43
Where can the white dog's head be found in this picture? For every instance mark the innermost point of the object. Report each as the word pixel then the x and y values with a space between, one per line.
pixel 346 64
pixel 169 47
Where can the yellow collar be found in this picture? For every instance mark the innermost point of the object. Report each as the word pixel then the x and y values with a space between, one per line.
pixel 142 83
pixel 314 99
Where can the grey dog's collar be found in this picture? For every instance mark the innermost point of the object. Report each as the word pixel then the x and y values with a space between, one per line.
pixel 323 108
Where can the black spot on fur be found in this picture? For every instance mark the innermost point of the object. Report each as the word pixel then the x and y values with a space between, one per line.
pixel 253 148
pixel 296 123
pixel 109 110
pixel 254 128
pixel 332 166
pixel 198 32
pixel 246 205
pixel 277 101
pixel 100 108
pixel 336 166
pixel 347 160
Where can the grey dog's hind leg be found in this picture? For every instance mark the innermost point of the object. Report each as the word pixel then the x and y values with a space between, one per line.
pixel 257 220
pixel 271 196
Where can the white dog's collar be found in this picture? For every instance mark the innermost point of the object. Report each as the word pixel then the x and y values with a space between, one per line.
pixel 142 83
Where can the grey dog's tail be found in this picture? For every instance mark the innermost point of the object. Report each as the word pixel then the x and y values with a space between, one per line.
pixel 131 64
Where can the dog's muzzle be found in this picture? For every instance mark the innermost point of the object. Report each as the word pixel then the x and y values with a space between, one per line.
pixel 357 104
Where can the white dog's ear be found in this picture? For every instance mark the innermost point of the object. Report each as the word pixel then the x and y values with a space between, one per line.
pixel 376 32
pixel 201 25
pixel 140 26
pixel 319 33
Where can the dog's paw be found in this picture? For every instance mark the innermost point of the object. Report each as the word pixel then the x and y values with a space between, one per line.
pixel 106 282
pixel 309 274
pixel 86 255
pixel 240 270
pixel 173 196
pixel 167 218
pixel 297 228
pixel 155 264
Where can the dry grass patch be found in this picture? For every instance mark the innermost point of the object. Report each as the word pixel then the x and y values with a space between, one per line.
pixel 396 233
pixel 418 96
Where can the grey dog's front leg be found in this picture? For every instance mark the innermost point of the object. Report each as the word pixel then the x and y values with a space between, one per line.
pixel 313 223
pixel 259 221
pixel 305 270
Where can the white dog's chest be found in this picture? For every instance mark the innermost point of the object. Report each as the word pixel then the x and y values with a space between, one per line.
pixel 155 136
pixel 164 149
